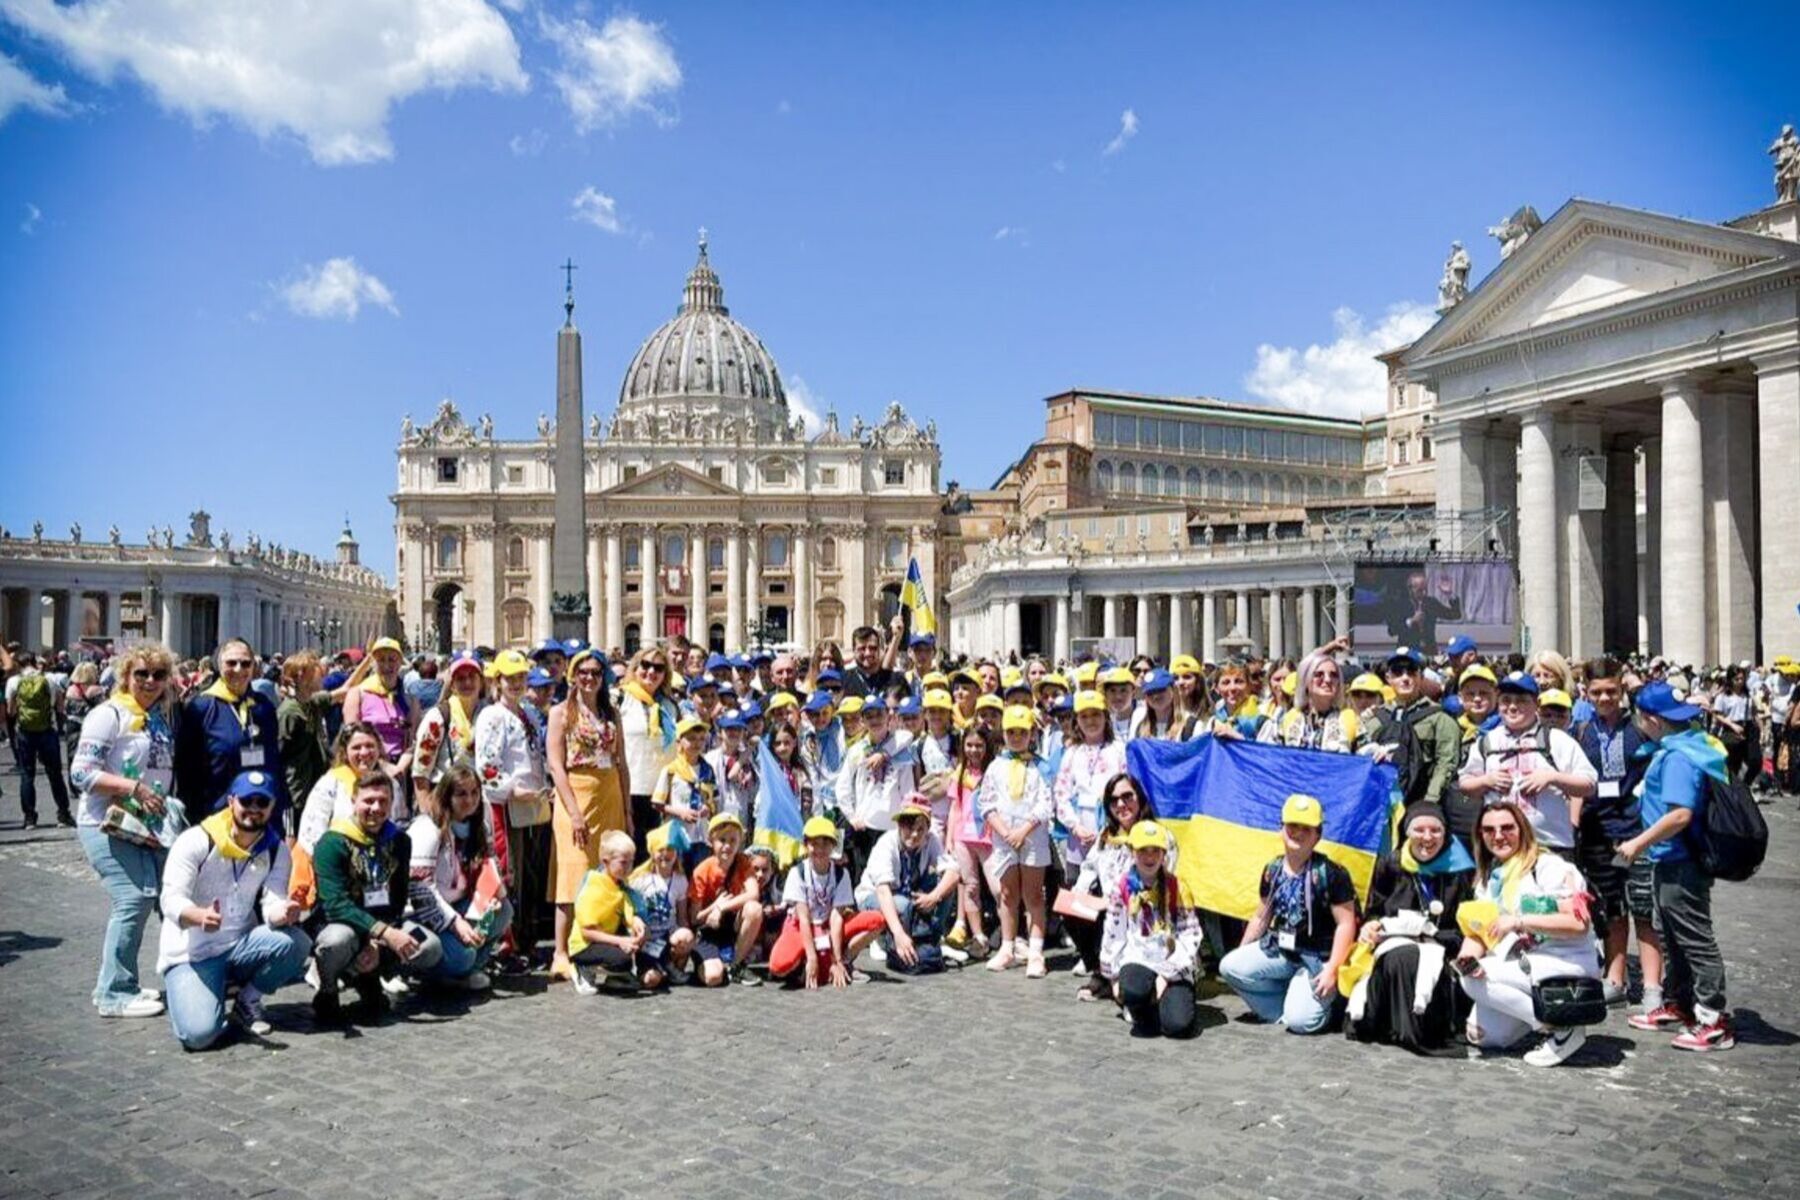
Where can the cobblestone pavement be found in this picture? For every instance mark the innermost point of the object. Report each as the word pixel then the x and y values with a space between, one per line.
pixel 961 1085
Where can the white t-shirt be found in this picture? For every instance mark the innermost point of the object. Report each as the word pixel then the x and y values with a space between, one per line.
pixel 1519 753
pixel 886 865
pixel 658 900
pixel 819 893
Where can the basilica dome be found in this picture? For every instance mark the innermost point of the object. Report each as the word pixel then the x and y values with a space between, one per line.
pixel 704 363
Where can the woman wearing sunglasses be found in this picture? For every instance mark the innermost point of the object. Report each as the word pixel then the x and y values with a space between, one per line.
pixel 1318 718
pixel 123 769
pixel 647 718
pixel 591 780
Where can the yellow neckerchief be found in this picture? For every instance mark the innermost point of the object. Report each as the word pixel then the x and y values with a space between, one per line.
pixel 373 686
pixel 641 694
pixel 136 717
pixel 345 774
pixel 238 704
pixel 1018 769
pixel 1408 863
pixel 1470 730
pixel 1249 706
pixel 352 830
pixel 218 828
pixel 1512 876
pixel 461 727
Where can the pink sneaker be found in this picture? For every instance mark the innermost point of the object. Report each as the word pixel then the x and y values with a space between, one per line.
pixel 1704 1038
pixel 1661 1019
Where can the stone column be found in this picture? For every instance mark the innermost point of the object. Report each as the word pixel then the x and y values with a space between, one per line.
pixel 597 574
pixel 540 587
pixel 1342 609
pixel 115 627
pixel 1584 611
pixel 1620 540
pixel 1683 542
pixel 856 580
pixel 1778 484
pixel 1012 634
pixel 1109 616
pixel 1178 632
pixel 615 589
pixel 1309 620
pixel 168 632
pixel 697 618
pixel 734 589
pixel 1461 453
pixel 1242 620
pixel 1146 624
pixel 1061 643
pixel 1538 600
pixel 1651 593
pixel 803 589
pixel 486 566
pixel 1209 625
pixel 752 577
pixel 648 609
pixel 1728 419
pixel 1277 639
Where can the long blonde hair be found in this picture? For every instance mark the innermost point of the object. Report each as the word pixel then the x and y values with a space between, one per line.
pixel 150 655
pixel 1526 854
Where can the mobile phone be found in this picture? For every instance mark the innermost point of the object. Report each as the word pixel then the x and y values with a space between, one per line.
pixel 1465 966
pixel 418 934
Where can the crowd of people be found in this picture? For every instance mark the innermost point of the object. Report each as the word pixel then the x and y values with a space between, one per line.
pixel 377 824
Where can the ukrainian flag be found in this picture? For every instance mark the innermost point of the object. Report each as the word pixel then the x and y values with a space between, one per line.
pixel 914 599
pixel 778 822
pixel 1222 798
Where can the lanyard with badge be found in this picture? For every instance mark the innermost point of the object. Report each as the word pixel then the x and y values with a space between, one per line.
pixel 818 900
pixel 250 754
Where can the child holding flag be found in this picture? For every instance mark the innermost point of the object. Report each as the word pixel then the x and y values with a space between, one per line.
pixel 687 790
pixel 659 893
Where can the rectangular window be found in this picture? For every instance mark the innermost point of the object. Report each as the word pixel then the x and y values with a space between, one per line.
pixel 1400 453
pixel 515 475
pixel 1253 443
pixel 446 470
pixel 1190 436
pixel 1215 439
pixel 631 554
pixel 1234 441
pixel 716 474
pixel 630 474
pixel 828 477
pixel 1093 526
pixel 774 472
pixel 1103 428
pixel 631 589
pixel 893 472
pixel 1315 449
pixel 1124 430
pixel 1424 449
pixel 1171 434
pixel 778 588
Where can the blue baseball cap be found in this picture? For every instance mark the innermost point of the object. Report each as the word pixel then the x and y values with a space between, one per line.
pixel 817 702
pixel 829 675
pixel 538 677
pixel 1659 700
pixel 751 712
pixel 573 646
pixel 725 690
pixel 716 663
pixel 730 720
pixel 1407 655
pixel 874 704
pixel 1158 680
pixel 739 662
pixel 760 657
pixel 1462 643
pixel 254 783
pixel 909 707
pixel 701 683
pixel 548 646
pixel 1519 683
pixel 922 639
pixel 1453 704
pixel 1063 704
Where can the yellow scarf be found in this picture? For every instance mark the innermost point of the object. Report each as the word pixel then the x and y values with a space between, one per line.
pixel 461 727
pixel 1512 875
pixel 218 828
pixel 345 774
pixel 372 684
pixel 137 717
pixel 238 704
pixel 1018 768
pixel 659 718
pixel 351 830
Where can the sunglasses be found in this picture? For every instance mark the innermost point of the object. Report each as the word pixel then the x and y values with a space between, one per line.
pixel 242 663
pixel 140 675
pixel 1124 795
pixel 596 673
pixel 659 668
pixel 1395 671
pixel 1495 830
pixel 257 801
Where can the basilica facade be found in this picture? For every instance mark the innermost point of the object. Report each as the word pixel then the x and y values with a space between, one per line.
pixel 710 510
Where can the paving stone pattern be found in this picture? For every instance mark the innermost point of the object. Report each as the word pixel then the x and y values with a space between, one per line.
pixel 962 1085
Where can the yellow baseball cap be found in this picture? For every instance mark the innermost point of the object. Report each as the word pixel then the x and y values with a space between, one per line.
pixel 1368 681
pixel 780 700
pixel 724 820
pixel 849 706
pixel 1302 810
pixel 1555 698
pixel 1147 835
pixel 819 827
pixel 938 698
pixel 1054 679
pixel 509 662
pixel 1089 701
pixel 688 725
pixel 1011 678
pixel 990 701
pixel 385 643
pixel 1185 664
pixel 1477 672
pixel 1018 717
pixel 1087 672
pixel 657 839
pixel 912 808
pixel 963 675
pixel 1118 675
pixel 935 679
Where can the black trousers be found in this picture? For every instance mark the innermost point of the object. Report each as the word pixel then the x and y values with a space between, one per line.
pixel 859 845
pixel 533 915
pixel 1171 1016
pixel 644 818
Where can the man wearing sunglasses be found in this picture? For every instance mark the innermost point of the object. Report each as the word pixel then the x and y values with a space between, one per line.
pixel 1423 742
pixel 211 935
pixel 226 729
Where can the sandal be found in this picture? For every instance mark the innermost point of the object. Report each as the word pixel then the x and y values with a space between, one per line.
pixel 1003 960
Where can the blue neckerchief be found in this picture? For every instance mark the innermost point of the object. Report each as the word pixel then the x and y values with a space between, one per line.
pixel 1451 859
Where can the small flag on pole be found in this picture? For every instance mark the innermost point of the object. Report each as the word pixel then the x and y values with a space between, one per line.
pixel 916 602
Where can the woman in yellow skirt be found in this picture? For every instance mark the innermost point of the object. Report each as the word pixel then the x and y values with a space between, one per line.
pixel 587 765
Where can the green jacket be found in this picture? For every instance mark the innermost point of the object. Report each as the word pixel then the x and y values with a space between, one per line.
pixel 348 872
pixel 1439 736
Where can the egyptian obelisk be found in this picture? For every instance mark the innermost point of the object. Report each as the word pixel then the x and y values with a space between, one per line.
pixel 569 601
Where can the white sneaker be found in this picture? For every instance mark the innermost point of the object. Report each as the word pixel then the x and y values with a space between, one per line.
pixel 247 1010
pixel 1078 971
pixel 1021 948
pixel 137 1006
pixel 395 985
pixel 877 952
pixel 1559 1047
pixel 956 956
pixel 477 981
pixel 584 982
pixel 150 993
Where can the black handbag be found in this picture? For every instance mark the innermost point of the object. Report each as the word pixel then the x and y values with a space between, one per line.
pixel 1569 1001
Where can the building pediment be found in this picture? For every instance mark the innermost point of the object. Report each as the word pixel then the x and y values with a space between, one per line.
pixel 670 479
pixel 1591 257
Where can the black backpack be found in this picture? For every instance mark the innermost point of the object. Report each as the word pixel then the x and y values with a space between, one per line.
pixel 1401 732
pixel 1732 836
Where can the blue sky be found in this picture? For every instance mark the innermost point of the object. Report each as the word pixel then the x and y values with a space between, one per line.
pixel 223 290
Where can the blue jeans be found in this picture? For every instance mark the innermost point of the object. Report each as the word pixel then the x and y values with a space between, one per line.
pixel 132 876
pixel 934 924
pixel 265 958
pixel 1279 987
pixel 459 961
pixel 30 749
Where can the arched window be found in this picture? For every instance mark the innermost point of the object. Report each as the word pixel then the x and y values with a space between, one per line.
pixel 1314 488
pixel 633 554
pixel 1127 478
pixel 715 554
pixel 674 550
pixel 449 550
pixel 828 553
pixel 1215 487
pixel 1256 488
pixel 1171 482
pixel 1193 482
pixel 893 552
pixel 632 640
pixel 1234 485
pixel 1149 480
pixel 775 550
pixel 1335 488
pixel 1104 473
pixel 515 554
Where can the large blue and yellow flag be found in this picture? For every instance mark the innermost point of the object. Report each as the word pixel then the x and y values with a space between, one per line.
pixel 778 821
pixel 917 603
pixel 1222 799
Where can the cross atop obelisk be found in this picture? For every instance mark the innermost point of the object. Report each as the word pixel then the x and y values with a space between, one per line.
pixel 568 269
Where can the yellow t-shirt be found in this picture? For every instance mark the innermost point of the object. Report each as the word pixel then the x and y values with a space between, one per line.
pixel 603 903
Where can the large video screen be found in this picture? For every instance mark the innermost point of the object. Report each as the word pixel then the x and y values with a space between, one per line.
pixel 1425 604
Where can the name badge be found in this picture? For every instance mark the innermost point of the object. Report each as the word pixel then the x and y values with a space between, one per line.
pixel 236 909
pixel 250 756
pixel 822 941
pixel 1286 941
pixel 1609 789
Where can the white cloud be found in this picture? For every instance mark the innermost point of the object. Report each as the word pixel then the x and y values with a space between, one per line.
pixel 33 215
pixel 1340 378
pixel 784 108
pixel 19 88
pixel 528 145
pixel 803 404
pixel 327 72
pixel 1128 128
pixel 1012 233
pixel 597 209
pixel 1059 166
pixel 614 72
pixel 336 288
